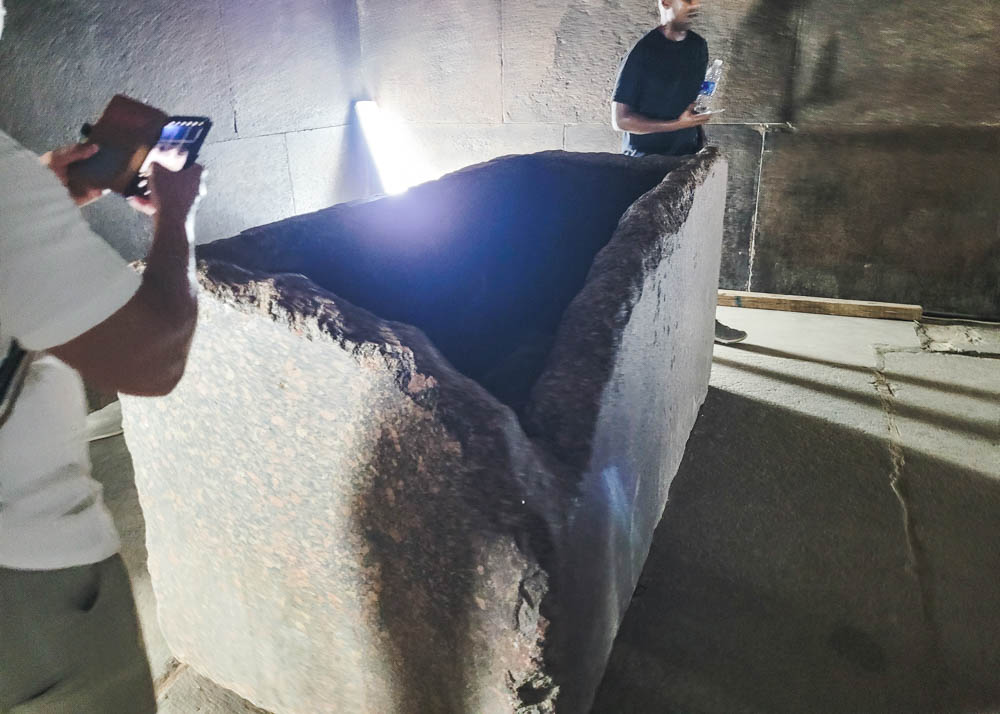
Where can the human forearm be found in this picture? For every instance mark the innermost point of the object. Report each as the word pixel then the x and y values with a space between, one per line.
pixel 639 124
pixel 169 292
pixel 142 349
pixel 168 278
pixel 625 118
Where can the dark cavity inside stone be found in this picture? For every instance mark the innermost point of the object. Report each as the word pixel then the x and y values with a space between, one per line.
pixel 484 260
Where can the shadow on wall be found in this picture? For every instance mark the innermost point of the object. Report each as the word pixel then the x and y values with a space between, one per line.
pixel 779 580
pixel 776 72
pixel 824 88
pixel 766 44
pixel 357 175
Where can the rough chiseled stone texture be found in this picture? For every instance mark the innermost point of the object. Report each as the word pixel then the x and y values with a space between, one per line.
pixel 921 225
pixel 338 520
pixel 62 62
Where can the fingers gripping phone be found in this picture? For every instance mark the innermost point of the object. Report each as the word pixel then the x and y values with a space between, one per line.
pixel 132 136
pixel 176 149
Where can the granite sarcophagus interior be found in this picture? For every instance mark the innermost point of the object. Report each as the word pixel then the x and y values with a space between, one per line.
pixel 422 442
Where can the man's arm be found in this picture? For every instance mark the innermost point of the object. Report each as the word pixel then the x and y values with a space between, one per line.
pixel 625 118
pixel 142 348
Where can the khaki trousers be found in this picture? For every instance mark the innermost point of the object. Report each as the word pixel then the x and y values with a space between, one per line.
pixel 70 642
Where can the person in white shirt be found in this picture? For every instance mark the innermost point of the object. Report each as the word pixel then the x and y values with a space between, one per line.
pixel 71 306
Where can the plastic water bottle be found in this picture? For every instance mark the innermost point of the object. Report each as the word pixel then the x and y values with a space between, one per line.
pixel 704 101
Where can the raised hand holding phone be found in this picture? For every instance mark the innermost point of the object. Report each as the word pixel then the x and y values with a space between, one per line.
pixel 132 136
pixel 172 194
pixel 177 148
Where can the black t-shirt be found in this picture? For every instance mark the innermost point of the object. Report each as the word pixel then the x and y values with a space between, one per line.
pixel 660 78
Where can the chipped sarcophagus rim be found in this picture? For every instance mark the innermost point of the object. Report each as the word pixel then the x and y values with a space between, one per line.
pixel 461 519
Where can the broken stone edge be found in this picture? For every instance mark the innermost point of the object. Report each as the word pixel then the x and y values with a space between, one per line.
pixel 532 505
pixel 560 414
pixel 525 508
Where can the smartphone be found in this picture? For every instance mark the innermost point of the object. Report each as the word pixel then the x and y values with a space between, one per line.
pixel 176 149
pixel 133 135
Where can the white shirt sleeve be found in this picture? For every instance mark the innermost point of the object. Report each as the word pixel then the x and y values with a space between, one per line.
pixel 57 278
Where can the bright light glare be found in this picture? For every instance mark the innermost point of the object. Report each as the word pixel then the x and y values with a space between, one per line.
pixel 396 158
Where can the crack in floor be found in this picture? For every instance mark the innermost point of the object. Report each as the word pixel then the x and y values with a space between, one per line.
pixel 968 338
pixel 917 562
pixel 886 396
pixel 162 685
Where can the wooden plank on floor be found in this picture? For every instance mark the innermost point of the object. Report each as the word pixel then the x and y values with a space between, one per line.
pixel 820 306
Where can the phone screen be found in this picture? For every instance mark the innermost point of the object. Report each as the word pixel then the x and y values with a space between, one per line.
pixel 176 149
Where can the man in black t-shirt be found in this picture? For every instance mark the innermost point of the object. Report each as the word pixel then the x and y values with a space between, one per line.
pixel 653 103
pixel 657 85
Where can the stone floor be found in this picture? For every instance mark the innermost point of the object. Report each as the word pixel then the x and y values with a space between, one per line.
pixel 831 543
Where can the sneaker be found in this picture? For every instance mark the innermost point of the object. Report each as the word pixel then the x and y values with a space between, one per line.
pixel 725 335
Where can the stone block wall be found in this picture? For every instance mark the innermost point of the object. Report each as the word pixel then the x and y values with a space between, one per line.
pixel 473 81
pixel 340 520
pixel 905 215
pixel 863 142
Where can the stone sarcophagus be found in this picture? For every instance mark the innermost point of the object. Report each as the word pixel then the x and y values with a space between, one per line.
pixel 423 441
